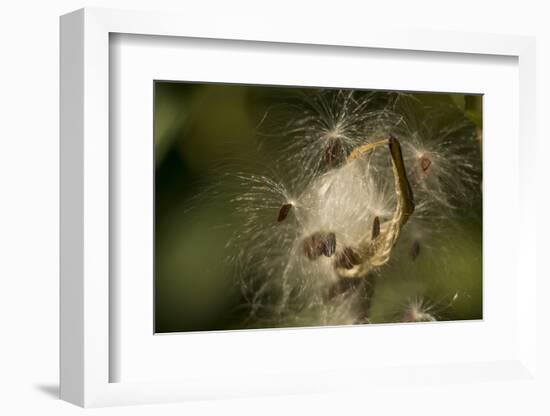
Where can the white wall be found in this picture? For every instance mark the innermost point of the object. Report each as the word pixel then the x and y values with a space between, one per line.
pixel 29 186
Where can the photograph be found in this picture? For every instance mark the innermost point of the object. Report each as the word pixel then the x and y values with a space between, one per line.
pixel 292 206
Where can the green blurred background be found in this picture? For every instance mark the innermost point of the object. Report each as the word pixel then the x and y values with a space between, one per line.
pixel 204 131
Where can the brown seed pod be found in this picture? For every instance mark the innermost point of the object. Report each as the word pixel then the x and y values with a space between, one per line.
pixel 283 212
pixel 415 249
pixel 375 227
pixel 347 258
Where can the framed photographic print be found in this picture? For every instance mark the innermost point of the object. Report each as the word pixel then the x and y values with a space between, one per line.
pixel 271 212
pixel 289 206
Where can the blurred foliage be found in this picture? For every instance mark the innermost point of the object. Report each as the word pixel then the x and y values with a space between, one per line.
pixel 204 131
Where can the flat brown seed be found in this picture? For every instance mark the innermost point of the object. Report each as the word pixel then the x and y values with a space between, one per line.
pixel 309 249
pixel 329 244
pixel 313 246
pixel 375 227
pixel 331 153
pixel 283 212
pixel 415 249
pixel 425 163
pixel 347 259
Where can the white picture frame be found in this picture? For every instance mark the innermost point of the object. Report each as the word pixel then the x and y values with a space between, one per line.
pixel 86 303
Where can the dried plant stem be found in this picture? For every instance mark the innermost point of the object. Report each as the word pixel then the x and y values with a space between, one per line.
pixel 375 248
pixel 365 148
